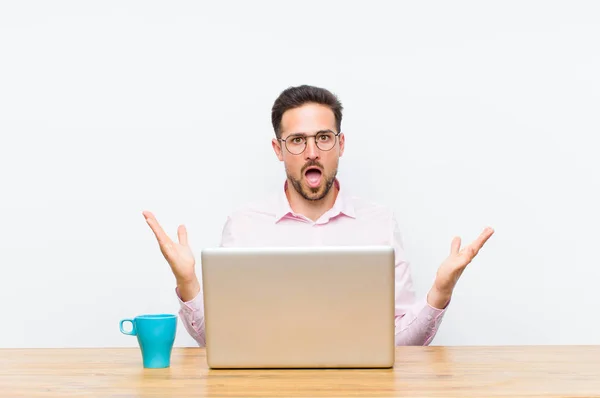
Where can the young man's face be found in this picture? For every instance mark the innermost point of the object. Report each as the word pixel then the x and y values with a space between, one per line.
pixel 312 172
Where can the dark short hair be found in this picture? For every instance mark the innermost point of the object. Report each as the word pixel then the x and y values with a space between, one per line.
pixel 294 97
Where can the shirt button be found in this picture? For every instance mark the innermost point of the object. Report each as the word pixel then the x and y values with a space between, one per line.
pixel 428 317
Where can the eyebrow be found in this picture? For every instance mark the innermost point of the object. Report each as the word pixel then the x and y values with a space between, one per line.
pixel 305 134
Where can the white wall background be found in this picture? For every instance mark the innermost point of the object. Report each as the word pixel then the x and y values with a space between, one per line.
pixel 457 114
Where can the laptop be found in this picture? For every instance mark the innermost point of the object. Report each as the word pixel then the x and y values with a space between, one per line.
pixel 299 307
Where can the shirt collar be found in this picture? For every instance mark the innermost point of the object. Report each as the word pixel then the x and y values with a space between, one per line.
pixel 342 205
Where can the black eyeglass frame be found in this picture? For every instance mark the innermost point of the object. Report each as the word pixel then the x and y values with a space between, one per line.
pixel 306 137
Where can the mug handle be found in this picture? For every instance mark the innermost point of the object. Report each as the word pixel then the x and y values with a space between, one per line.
pixel 133 331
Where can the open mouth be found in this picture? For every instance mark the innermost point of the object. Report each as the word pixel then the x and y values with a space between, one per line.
pixel 313 176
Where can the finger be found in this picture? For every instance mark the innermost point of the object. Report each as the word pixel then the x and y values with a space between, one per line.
pixel 483 237
pixel 182 235
pixel 455 246
pixel 469 252
pixel 472 250
pixel 160 234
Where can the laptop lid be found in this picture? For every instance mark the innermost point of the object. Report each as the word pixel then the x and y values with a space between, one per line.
pixel 299 307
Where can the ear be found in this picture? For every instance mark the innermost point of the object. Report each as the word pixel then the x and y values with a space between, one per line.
pixel 277 148
pixel 342 139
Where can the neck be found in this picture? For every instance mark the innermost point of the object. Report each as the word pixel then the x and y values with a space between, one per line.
pixel 311 209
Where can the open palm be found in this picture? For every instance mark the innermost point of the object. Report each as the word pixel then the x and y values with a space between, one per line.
pixel 452 268
pixel 178 255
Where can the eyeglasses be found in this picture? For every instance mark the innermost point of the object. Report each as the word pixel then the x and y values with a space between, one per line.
pixel 296 143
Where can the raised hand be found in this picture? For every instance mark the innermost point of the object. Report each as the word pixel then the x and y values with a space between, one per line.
pixel 178 255
pixel 452 268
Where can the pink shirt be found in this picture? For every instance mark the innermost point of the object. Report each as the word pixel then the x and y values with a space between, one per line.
pixel 351 221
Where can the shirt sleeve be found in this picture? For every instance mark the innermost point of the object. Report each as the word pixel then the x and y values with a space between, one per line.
pixel 192 316
pixel 192 312
pixel 416 321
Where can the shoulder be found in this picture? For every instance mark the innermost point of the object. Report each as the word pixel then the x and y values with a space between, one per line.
pixel 245 223
pixel 364 207
pixel 258 209
pixel 378 213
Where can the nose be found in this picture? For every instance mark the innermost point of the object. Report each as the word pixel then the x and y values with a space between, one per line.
pixel 311 151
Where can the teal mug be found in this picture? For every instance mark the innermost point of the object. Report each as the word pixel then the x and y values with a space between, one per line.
pixel 155 335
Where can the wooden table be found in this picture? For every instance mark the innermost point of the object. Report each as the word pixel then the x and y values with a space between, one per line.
pixel 522 371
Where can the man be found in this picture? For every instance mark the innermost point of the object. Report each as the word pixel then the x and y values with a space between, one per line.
pixel 312 209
